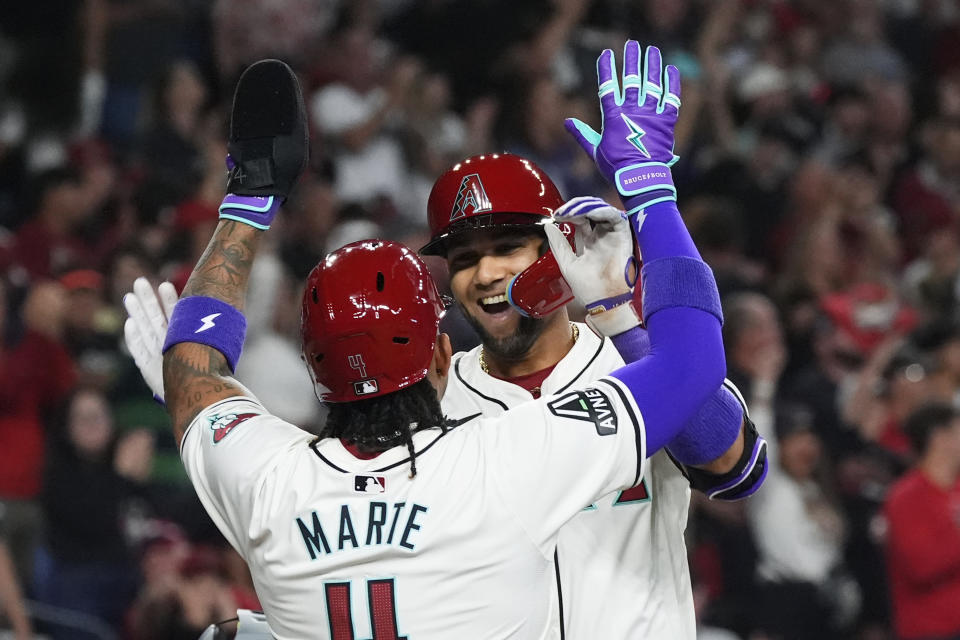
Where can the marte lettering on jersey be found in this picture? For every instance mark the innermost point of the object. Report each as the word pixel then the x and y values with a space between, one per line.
pixel 361 525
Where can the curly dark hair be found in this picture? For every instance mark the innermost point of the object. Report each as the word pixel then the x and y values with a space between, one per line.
pixel 384 422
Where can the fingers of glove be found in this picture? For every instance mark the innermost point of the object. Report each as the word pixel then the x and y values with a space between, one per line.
pixel 134 340
pixel 168 298
pixel 586 137
pixel 632 80
pixel 608 85
pixel 653 78
pixel 587 208
pixel 151 305
pixel 138 314
pixel 574 210
pixel 671 90
pixel 608 214
pixel 559 245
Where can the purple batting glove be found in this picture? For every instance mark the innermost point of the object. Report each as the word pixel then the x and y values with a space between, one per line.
pixel 634 149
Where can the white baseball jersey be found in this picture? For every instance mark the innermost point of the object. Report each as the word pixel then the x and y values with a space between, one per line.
pixel 346 548
pixel 622 567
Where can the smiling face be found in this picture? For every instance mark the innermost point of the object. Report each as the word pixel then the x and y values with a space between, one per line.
pixel 482 263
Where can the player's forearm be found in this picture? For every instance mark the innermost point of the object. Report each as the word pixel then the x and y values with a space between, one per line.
pixel 195 375
pixel 682 308
pixel 11 598
pixel 223 271
pixel 728 459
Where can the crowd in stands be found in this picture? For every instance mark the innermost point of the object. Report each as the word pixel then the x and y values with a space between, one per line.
pixel 819 174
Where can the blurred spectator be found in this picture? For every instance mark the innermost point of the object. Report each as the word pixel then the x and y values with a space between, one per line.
pixel 271 366
pixel 90 487
pixel 756 353
pixel 37 375
pixel 310 215
pixel 861 51
pixel 91 329
pixel 12 607
pixel 716 225
pixel 799 529
pixel 139 39
pixel 932 281
pixel 356 113
pixel 48 245
pixel 923 535
pixel 926 198
pixel 942 341
pixel 182 605
pixel 173 147
pixel 245 31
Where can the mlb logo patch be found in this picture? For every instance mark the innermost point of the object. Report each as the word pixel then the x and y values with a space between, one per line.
pixel 365 387
pixel 369 484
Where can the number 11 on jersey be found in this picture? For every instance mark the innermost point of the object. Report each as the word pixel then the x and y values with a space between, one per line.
pixel 381 602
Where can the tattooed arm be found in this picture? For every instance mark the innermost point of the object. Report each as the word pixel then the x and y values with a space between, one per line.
pixel 195 375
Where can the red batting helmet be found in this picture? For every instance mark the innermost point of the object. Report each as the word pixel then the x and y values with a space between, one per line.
pixel 369 323
pixel 497 189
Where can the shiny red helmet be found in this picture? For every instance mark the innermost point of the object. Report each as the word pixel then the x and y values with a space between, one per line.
pixel 495 189
pixel 369 321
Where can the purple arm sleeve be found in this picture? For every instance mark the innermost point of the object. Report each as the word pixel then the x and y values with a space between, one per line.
pixel 632 344
pixel 715 426
pixel 686 361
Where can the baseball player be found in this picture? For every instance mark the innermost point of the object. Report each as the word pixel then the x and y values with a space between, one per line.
pixel 458 539
pixel 621 564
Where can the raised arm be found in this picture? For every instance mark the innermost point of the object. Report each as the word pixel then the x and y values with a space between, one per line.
pixel 268 151
pixel 196 375
pixel 722 452
pixel 681 306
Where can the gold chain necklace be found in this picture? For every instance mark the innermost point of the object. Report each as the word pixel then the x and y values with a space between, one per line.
pixel 574 331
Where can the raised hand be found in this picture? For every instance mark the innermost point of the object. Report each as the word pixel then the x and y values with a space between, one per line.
pixel 146 329
pixel 602 271
pixel 634 149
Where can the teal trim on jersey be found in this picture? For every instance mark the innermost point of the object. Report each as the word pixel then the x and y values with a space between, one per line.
pixel 592 507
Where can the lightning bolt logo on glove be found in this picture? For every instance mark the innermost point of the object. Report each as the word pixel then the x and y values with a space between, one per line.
pixel 635 134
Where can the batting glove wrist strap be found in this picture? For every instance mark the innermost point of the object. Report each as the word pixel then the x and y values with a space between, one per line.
pixel 644 178
pixel 679 282
pixel 210 322
pixel 620 324
pixel 635 204
pixel 256 211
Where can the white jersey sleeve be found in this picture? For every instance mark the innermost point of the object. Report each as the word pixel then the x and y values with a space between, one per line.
pixel 556 456
pixel 233 452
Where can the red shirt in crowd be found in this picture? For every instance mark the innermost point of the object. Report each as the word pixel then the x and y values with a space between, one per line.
pixel 45 254
pixel 923 556
pixel 36 375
